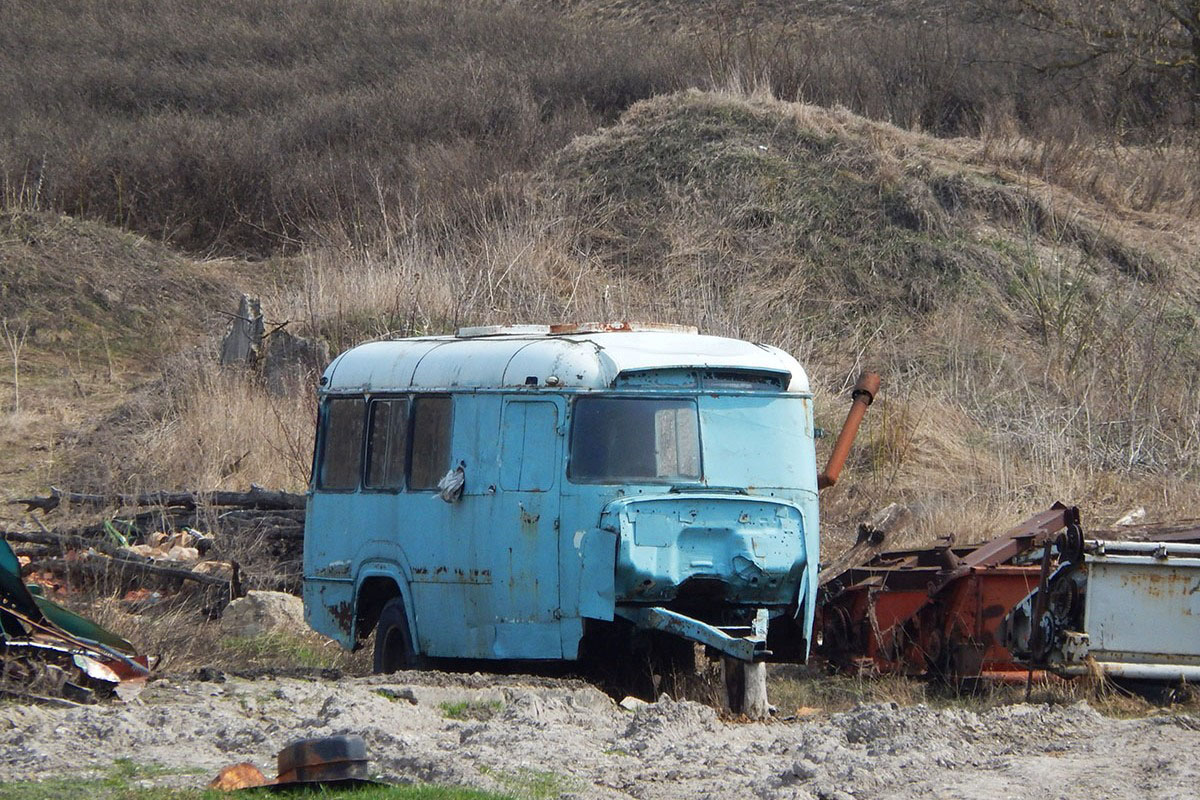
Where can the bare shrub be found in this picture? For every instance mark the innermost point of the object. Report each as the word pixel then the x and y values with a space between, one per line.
pixel 216 428
pixel 246 127
pixel 222 126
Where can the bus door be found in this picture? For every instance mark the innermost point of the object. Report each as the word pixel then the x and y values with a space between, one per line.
pixel 524 531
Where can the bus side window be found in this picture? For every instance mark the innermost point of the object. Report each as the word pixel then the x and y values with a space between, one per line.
pixel 387 443
pixel 430 442
pixel 341 448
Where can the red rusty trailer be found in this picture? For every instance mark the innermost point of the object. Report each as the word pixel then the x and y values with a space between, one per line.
pixel 934 611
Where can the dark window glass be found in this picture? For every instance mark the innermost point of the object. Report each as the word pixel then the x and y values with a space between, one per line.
pixel 430 442
pixel 387 444
pixel 620 440
pixel 341 445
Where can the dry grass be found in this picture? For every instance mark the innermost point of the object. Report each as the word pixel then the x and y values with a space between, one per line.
pixel 100 306
pixel 250 128
pixel 274 126
pixel 1159 176
pixel 797 692
pixel 851 243
pixel 185 639
pixel 223 428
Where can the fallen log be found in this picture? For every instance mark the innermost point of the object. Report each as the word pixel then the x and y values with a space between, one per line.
pixel 35 551
pixel 250 516
pixel 64 542
pixel 256 498
pixel 118 568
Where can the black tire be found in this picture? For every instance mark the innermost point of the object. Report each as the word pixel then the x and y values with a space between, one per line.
pixel 394 648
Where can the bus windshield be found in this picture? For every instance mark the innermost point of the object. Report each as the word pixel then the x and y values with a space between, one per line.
pixel 632 440
pixel 749 441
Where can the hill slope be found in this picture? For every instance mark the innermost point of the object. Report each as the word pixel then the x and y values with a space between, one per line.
pixel 1034 342
pixel 92 310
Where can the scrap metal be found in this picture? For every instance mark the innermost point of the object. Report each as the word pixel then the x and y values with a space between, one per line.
pixel 329 762
pixel 935 611
pixel 52 654
pixel 1119 608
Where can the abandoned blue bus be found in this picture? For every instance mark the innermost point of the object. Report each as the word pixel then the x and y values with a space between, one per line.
pixel 504 493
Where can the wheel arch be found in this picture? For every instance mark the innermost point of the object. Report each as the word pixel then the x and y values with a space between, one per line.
pixel 377 584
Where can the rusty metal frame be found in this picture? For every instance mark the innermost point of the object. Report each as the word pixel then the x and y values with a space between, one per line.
pixel 935 610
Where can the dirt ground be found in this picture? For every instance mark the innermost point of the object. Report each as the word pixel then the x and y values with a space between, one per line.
pixel 542 738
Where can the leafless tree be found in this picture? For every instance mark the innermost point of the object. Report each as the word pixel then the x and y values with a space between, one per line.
pixel 1155 34
pixel 15 340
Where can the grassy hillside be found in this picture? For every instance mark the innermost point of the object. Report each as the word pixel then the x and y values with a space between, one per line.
pixel 87 311
pixel 249 127
pixel 1036 344
pixel 234 127
pixel 1015 249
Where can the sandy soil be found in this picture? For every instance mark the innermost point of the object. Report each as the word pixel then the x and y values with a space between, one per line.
pixel 567 739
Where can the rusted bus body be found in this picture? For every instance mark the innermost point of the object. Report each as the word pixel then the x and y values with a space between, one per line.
pixel 503 493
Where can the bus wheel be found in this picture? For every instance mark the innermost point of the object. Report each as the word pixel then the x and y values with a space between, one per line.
pixel 393 642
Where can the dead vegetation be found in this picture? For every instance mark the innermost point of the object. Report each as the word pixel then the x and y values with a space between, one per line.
pixel 217 126
pixel 1016 252
pixel 852 243
pixel 806 694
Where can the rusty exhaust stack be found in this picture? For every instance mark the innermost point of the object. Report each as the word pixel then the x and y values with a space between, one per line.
pixel 863 395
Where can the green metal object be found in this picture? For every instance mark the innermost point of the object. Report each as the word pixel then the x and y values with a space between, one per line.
pixel 28 601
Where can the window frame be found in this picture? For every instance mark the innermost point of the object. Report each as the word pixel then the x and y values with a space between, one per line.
pixel 690 399
pixel 414 399
pixel 323 444
pixel 366 457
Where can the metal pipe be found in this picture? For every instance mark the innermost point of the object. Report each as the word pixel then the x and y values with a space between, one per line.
pixel 864 394
pixel 1163 549
pixel 1167 673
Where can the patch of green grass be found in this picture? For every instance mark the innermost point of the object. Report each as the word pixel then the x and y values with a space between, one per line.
pixel 532 784
pixel 481 710
pixel 282 649
pixel 117 782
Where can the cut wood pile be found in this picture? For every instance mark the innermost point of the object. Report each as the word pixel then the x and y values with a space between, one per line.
pixel 151 545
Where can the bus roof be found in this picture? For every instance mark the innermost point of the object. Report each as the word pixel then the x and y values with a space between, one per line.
pixel 530 356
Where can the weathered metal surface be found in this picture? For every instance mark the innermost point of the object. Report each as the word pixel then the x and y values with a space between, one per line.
pixel 583 360
pixel 48 652
pixel 1129 609
pixel 516 567
pixel 863 395
pixel 744 643
pixel 577 328
pixel 934 611
pixel 750 549
pixel 329 760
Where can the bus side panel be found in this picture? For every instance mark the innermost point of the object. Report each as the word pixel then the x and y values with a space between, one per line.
pixel 331 529
pixel 329 608
pixel 447 626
